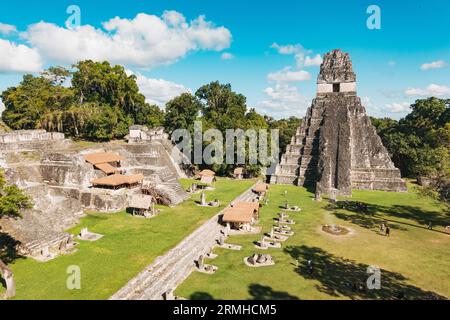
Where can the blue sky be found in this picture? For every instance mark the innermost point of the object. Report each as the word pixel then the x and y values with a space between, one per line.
pixel 172 50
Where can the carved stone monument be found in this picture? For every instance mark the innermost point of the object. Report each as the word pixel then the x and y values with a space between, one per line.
pixel 8 277
pixel 337 147
pixel 203 199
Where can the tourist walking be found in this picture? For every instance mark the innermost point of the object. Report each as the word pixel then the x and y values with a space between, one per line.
pixel 388 231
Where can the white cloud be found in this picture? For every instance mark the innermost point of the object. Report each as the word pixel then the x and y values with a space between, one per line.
pixel 392 63
pixel 301 54
pixel 431 90
pixel 159 91
pixel 433 65
pixel 286 75
pixel 283 101
pixel 316 61
pixel 288 49
pixel 7 28
pixel 369 105
pixel 227 56
pixel 397 107
pixel 18 58
pixel 145 41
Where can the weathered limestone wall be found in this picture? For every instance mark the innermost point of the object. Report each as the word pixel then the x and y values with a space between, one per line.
pixel 29 136
pixel 32 140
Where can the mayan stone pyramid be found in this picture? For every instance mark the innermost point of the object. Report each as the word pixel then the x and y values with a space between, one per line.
pixel 337 148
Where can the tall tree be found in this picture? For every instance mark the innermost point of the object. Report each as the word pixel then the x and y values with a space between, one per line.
pixel 181 112
pixel 101 103
pixel 12 199
pixel 222 108
pixel 420 143
pixel 287 129
pixel 27 106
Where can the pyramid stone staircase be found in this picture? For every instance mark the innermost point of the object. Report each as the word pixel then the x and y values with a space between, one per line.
pixel 336 148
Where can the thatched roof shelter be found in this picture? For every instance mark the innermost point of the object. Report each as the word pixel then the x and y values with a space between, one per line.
pixel 238 215
pixel 107 168
pixel 207 173
pixel 103 157
pixel 261 188
pixel 118 180
pixel 245 204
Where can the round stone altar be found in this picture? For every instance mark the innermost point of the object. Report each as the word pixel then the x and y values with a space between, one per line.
pixel 336 230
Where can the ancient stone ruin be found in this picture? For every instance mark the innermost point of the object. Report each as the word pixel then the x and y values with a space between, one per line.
pixel 55 173
pixel 337 149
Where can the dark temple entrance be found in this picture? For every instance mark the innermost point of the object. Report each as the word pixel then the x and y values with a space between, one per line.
pixel 336 87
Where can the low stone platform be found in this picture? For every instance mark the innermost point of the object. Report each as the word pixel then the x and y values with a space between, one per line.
pixel 259 260
pixel 85 235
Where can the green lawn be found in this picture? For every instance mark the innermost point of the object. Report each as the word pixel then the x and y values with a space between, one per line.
pixel 413 260
pixel 129 245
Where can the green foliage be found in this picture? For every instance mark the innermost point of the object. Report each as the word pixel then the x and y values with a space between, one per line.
pixel 420 143
pixel 108 265
pixel 224 109
pixel 287 129
pixel 181 112
pixel 34 103
pixel 100 105
pixel 12 199
pixel 414 264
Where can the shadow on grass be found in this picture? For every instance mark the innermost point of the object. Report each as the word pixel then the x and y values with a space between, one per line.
pixel 259 292
pixel 369 215
pixel 8 248
pixel 8 252
pixel 338 276
pixel 201 296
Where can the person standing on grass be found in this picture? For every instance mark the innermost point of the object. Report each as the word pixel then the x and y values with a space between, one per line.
pixel 388 231
pixel 382 227
pixel 430 225
pixel 310 267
